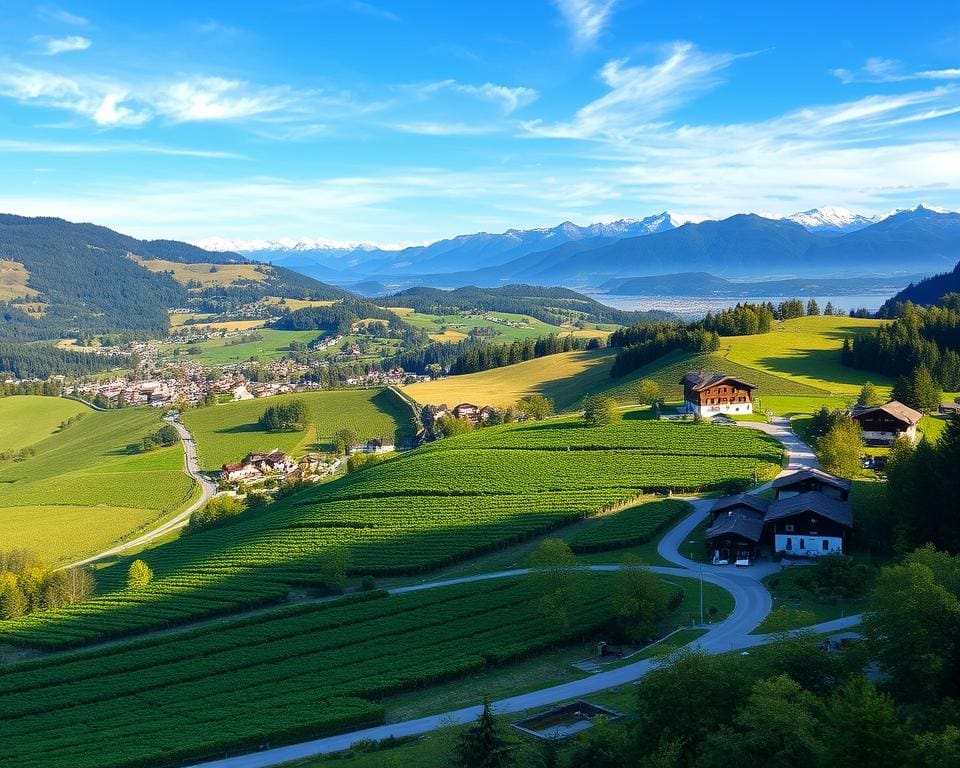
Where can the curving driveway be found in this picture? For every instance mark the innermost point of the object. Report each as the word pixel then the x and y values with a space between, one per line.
pixel 207 490
pixel 752 604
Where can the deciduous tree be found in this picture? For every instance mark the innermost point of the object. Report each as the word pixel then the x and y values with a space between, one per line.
pixel 139 575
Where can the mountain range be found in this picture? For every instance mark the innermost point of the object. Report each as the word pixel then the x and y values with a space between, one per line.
pixel 828 241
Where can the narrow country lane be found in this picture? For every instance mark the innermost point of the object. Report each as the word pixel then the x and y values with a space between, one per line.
pixel 752 604
pixel 207 490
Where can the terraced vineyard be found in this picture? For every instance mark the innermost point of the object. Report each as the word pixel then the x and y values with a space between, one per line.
pixel 631 526
pixel 301 672
pixel 425 509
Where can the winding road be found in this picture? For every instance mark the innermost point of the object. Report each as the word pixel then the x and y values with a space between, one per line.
pixel 752 604
pixel 207 489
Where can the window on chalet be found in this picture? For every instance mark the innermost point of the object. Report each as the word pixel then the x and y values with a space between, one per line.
pixel 788 527
pixel 826 545
pixel 789 544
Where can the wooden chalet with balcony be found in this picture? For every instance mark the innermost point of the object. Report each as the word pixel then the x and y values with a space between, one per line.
pixel 713 394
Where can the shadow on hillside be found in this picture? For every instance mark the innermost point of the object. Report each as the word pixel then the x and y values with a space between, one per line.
pixel 818 364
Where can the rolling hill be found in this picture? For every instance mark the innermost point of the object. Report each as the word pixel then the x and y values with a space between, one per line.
pixel 926 292
pixel 65 279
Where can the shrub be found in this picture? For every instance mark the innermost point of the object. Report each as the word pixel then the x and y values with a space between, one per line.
pixel 368 584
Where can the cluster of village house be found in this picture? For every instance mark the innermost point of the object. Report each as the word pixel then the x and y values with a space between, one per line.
pixel 811 513
pixel 717 394
pixel 809 516
pixel 257 467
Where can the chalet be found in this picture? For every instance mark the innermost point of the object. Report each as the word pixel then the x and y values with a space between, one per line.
pixel 806 480
pixel 884 424
pixel 809 524
pixel 240 473
pixel 949 409
pixel 737 529
pixel 276 461
pixel 711 394
pixel 467 411
pixel 375 446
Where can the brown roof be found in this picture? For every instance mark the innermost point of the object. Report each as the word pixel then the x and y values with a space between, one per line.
pixel 702 379
pixel 812 502
pixel 232 467
pixel 747 500
pixel 896 409
pixel 813 474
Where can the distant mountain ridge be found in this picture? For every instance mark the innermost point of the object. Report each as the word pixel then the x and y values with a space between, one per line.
pixel 925 292
pixel 828 238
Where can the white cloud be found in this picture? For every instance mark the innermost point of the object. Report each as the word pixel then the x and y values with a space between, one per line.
pixel 51 46
pixel 509 99
pixel 15 146
pixel 880 70
pixel 428 128
pixel 60 16
pixel 112 103
pixel 586 18
pixel 640 94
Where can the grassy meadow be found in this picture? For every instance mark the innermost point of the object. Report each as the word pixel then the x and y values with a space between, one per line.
pixel 83 480
pixel 26 420
pixel 456 327
pixel 226 432
pixel 208 275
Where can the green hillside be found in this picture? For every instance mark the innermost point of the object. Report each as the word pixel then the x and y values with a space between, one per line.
pixel 82 480
pixel 428 508
pixel 227 432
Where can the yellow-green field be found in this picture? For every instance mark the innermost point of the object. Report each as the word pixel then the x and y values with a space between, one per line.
pixel 223 275
pixel 83 490
pixel 456 327
pixel 13 281
pixel 227 432
pixel 806 350
pixel 27 420
pixel 565 378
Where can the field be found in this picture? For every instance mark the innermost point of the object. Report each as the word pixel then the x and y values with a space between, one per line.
pixel 807 350
pixel 304 672
pixel 634 525
pixel 13 281
pixel 565 378
pixel 273 345
pixel 456 327
pixel 84 481
pixel 179 319
pixel 208 275
pixel 227 432
pixel 27 420
pixel 428 508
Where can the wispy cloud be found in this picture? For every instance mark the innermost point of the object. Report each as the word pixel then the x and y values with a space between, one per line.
pixel 51 46
pixel 426 128
pixel 880 70
pixel 113 103
pixel 369 9
pixel 641 94
pixel 61 16
pixel 586 18
pixel 14 146
pixel 508 98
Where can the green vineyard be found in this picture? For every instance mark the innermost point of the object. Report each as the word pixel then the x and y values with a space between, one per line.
pixel 300 672
pixel 635 525
pixel 428 508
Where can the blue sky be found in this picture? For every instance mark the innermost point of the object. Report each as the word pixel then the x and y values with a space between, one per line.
pixel 399 122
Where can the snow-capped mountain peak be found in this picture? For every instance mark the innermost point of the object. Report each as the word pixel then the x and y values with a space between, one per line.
pixel 831 218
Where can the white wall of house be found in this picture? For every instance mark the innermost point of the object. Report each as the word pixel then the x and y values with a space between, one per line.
pixel 807 546
pixel 889 437
pixel 712 410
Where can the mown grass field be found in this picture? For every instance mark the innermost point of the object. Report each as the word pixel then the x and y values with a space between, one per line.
pixel 456 327
pixel 25 420
pixel 565 378
pixel 426 509
pixel 208 275
pixel 273 345
pixel 807 350
pixel 13 281
pixel 83 491
pixel 226 432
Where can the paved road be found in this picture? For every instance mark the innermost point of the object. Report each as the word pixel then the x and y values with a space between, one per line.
pixel 207 490
pixel 752 604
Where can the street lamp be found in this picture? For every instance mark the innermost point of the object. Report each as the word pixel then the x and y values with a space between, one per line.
pixel 692 542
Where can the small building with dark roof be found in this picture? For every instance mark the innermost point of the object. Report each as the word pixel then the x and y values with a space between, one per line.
pixel 884 424
pixel 712 394
pixel 740 501
pixel 808 525
pixel 806 480
pixel 735 536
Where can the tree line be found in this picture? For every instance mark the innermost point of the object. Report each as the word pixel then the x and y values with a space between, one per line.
pixel 642 344
pixel 38 361
pixel 27 585
pixel 289 416
pixel 484 357
pixel 927 337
